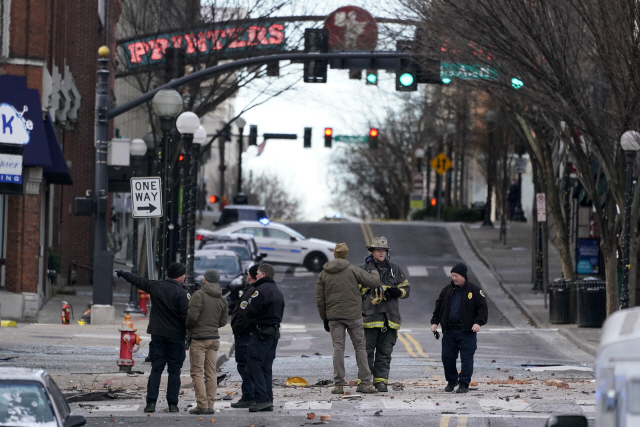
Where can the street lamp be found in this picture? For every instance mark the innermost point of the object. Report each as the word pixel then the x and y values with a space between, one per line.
pixel 240 123
pixel 137 149
pixel 198 139
pixel 451 130
pixel 187 124
pixel 167 104
pixel 630 142
pixel 491 117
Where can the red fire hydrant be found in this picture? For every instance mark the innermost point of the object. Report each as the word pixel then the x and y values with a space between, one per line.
pixel 143 297
pixel 66 313
pixel 128 339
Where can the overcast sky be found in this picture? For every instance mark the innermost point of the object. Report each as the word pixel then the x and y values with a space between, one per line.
pixel 347 106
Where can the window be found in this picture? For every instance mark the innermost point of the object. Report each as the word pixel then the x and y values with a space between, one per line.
pixel 277 234
pixel 256 231
pixel 58 399
pixel 224 264
pixel 25 403
pixel 633 394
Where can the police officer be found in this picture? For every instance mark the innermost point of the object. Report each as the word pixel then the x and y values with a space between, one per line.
pixel 242 337
pixel 461 309
pixel 167 328
pixel 381 311
pixel 264 309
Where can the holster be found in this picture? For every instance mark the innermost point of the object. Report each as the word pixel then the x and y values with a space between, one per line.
pixel 266 332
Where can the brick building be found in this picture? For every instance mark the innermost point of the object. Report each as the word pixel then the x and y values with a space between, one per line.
pixel 48 53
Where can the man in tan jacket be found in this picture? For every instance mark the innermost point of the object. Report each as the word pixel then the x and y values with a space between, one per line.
pixel 340 307
pixel 208 311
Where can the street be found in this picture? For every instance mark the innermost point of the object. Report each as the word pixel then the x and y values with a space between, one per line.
pixel 82 358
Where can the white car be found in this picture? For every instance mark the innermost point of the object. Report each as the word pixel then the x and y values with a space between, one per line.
pixel 284 245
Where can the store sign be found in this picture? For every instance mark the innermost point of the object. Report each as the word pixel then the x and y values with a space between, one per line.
pixel 11 168
pixel 588 256
pixel 229 39
pixel 13 129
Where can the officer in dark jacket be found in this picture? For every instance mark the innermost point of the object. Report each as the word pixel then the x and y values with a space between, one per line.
pixel 264 309
pixel 461 309
pixel 167 328
pixel 242 337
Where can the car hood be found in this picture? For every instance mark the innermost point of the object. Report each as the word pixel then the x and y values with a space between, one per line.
pixel 327 243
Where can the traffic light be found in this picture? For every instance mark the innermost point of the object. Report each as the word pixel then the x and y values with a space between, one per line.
pixel 328 137
pixel 307 138
pixel 180 157
pixel 253 135
pixel 213 199
pixel 406 74
pixel 373 138
pixel 516 83
pixel 372 77
pixel 316 40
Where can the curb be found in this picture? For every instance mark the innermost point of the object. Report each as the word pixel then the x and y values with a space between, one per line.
pixel 225 356
pixel 533 319
pixel 573 339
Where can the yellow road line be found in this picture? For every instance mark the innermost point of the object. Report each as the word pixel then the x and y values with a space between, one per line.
pixel 419 354
pixel 371 236
pixel 417 346
pixel 462 421
pixel 444 421
pixel 407 346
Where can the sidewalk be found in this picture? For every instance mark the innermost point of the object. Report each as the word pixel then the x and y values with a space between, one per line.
pixel 511 265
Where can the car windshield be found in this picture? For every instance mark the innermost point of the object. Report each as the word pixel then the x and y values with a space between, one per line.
pixel 224 264
pixel 241 251
pixel 24 403
pixel 295 233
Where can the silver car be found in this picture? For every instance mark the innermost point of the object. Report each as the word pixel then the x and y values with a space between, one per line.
pixel 31 397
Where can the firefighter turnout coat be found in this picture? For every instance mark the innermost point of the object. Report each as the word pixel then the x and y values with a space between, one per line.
pixel 391 276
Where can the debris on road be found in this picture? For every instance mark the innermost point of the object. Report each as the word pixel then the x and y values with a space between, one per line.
pixel 296 382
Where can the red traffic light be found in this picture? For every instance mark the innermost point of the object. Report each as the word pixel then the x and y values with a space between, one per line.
pixel 328 131
pixel 433 201
pixel 181 157
pixel 213 199
pixel 373 132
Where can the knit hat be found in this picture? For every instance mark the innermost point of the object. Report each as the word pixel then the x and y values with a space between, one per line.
pixel 253 271
pixel 341 251
pixel 212 275
pixel 176 270
pixel 460 269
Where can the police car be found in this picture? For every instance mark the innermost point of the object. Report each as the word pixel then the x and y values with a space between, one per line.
pixel 284 245
pixel 232 277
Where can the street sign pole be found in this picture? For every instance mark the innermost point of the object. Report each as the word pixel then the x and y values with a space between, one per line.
pixel 146 202
pixel 542 217
pixel 151 268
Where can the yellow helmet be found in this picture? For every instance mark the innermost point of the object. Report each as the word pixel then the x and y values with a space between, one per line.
pixel 379 242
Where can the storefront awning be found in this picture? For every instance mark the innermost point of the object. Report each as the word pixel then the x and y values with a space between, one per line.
pixel 58 172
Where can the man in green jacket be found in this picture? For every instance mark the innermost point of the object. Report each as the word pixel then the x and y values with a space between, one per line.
pixel 208 311
pixel 340 307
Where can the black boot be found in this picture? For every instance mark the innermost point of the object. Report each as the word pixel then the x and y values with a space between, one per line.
pixel 151 407
pixel 462 387
pixel 449 388
pixel 243 404
pixel 173 408
pixel 382 387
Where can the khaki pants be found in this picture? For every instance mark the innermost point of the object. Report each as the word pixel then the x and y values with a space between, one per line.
pixel 202 356
pixel 356 333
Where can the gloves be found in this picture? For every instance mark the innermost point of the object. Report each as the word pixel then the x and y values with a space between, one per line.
pixel 119 273
pixel 326 326
pixel 393 293
pixel 377 297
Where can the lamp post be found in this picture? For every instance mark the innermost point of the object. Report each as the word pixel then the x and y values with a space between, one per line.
pixel 224 138
pixel 451 130
pixel 187 124
pixel 419 159
pixel 198 139
pixel 240 123
pixel 167 104
pixel 630 142
pixel 491 117
pixel 138 149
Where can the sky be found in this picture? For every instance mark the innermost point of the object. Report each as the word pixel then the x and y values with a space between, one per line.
pixel 349 107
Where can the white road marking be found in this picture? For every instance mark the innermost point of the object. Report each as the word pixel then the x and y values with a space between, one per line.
pixel 114 408
pixel 308 404
pixel 291 326
pixel 447 270
pixel 417 271
pixel 514 405
pixel 587 405
pixel 421 404
pixel 302 272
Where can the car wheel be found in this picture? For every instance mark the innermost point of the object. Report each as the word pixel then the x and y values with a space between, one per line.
pixel 314 261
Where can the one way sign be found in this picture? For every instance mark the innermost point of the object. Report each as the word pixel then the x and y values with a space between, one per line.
pixel 146 194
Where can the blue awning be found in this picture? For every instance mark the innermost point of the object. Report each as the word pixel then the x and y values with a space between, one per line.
pixel 43 149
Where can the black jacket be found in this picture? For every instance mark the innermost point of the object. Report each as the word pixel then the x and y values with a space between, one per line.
pixel 170 303
pixel 265 305
pixel 473 308
pixel 239 318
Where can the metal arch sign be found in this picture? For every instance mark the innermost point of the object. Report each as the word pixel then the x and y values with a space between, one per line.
pixel 146 197
pixel 351 28
pixel 228 39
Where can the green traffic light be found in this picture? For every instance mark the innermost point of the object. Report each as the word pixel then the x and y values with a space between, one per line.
pixel 372 78
pixel 406 79
pixel 516 83
pixel 446 80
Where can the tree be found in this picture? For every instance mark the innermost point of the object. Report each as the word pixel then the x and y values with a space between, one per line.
pixel 268 191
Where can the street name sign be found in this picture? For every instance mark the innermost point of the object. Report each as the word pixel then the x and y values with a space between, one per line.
pixel 146 196
pixel 467 71
pixel 353 139
pixel 441 163
pixel 520 165
pixel 541 207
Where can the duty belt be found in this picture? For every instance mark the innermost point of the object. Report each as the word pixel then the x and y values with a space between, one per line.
pixel 454 325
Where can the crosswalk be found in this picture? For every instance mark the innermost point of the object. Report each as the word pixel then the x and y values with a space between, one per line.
pixel 412 271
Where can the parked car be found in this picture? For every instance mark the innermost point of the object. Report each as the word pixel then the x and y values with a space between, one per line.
pixel 284 245
pixel 214 241
pixel 235 213
pixel 232 277
pixel 31 397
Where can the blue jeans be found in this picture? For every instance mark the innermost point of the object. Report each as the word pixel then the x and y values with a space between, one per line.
pixel 242 347
pixel 165 352
pixel 457 341
pixel 260 356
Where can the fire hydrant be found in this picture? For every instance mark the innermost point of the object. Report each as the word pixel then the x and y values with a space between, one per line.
pixel 128 339
pixel 143 297
pixel 67 311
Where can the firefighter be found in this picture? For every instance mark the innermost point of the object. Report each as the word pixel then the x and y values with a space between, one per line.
pixel 381 310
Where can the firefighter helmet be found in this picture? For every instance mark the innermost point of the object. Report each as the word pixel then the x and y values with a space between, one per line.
pixel 379 242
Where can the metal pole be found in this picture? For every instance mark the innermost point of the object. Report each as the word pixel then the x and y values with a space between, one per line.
pixel 629 156
pixel 438 195
pixel 132 306
pixel 167 127
pixel 222 168
pixel 102 258
pixel 539 260
pixel 240 147
pixel 151 269
pixel 191 237
pixel 186 194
